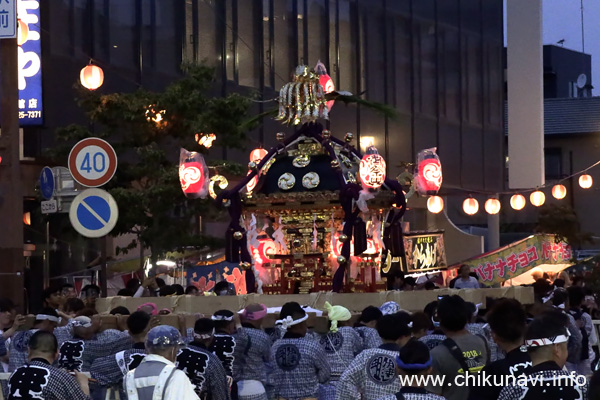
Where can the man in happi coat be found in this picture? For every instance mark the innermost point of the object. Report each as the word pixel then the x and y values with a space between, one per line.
pixel 366 327
pixel 46 320
pixel 224 343
pixel 111 370
pixel 546 340
pixel 252 352
pixel 202 367
pixel 38 379
pixel 372 374
pixel 414 364
pixel 299 364
pixel 508 322
pixel 341 344
pixel 78 353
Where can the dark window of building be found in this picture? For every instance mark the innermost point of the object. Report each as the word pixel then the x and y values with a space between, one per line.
pixel 167 46
pixel 346 65
pixel 249 26
pixel 553 161
pixel 123 40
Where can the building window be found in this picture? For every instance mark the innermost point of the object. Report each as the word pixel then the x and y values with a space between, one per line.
pixel 553 161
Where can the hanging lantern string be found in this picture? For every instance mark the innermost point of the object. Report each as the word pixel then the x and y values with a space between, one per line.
pixel 547 185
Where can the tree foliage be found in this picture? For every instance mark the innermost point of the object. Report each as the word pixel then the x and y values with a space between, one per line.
pixel 146 184
pixel 563 222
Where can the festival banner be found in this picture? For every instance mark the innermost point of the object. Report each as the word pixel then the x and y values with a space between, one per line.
pixel 205 277
pixel 513 260
pixel 424 251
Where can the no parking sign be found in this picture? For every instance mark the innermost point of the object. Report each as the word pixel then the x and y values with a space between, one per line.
pixel 94 213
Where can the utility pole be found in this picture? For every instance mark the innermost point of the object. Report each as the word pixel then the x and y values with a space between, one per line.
pixel 11 193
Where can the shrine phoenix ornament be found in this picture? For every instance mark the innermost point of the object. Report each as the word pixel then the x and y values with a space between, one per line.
pixel 372 169
pixel 302 100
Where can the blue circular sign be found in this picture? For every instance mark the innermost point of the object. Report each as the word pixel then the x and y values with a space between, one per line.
pixel 94 213
pixel 47 183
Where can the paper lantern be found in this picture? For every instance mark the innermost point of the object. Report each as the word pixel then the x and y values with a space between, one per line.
pixel 559 191
pixel 470 206
pixel 537 198
pixel 265 248
pixel 372 169
pixel 435 204
pixel 429 172
pixel 22 32
pixel 325 81
pixel 517 201
pixel 91 77
pixel 585 181
pixel 253 182
pixel 27 218
pixel 257 155
pixel 193 174
pixel 492 206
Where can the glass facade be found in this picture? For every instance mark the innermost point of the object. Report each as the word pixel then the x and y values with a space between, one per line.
pixel 438 62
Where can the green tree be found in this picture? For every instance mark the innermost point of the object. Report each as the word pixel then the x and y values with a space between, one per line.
pixel 563 222
pixel 147 129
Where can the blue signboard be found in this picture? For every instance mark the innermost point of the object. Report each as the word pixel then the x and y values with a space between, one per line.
pixel 47 183
pixel 30 63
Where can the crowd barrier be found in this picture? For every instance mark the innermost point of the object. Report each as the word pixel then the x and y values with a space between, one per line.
pixel 356 302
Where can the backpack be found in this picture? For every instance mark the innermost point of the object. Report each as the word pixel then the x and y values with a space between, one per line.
pixel 578 314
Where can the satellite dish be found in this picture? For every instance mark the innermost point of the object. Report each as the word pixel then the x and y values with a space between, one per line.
pixel 581 81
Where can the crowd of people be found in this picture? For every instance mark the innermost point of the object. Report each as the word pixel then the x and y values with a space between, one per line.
pixel 507 351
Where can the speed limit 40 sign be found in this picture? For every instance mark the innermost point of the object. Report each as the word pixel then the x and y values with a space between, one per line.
pixel 92 162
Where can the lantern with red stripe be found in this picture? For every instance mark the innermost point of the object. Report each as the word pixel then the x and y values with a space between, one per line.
pixel 429 172
pixel 193 174
pixel 265 248
pixel 325 81
pixel 372 169
pixel 257 155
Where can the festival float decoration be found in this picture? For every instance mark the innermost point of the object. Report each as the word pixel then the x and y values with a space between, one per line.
pixel 313 213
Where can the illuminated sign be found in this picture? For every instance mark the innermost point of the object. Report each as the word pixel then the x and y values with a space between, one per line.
pixel 30 63
pixel 425 252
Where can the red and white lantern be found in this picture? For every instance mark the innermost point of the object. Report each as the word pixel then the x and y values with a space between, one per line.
pixel 372 169
pixel 325 81
pixel 193 174
pixel 429 172
pixel 257 155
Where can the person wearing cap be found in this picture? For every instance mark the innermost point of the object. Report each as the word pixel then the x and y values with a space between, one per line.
pixel 38 379
pixel 414 364
pixel 157 377
pixel 46 320
pixel 546 340
pixel 87 345
pixel 252 352
pixel 299 364
pixel 365 327
pixel 110 370
pixel 341 344
pixel 202 367
pixel 224 343
pixel 372 374
pixel 389 307
pixel 508 323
